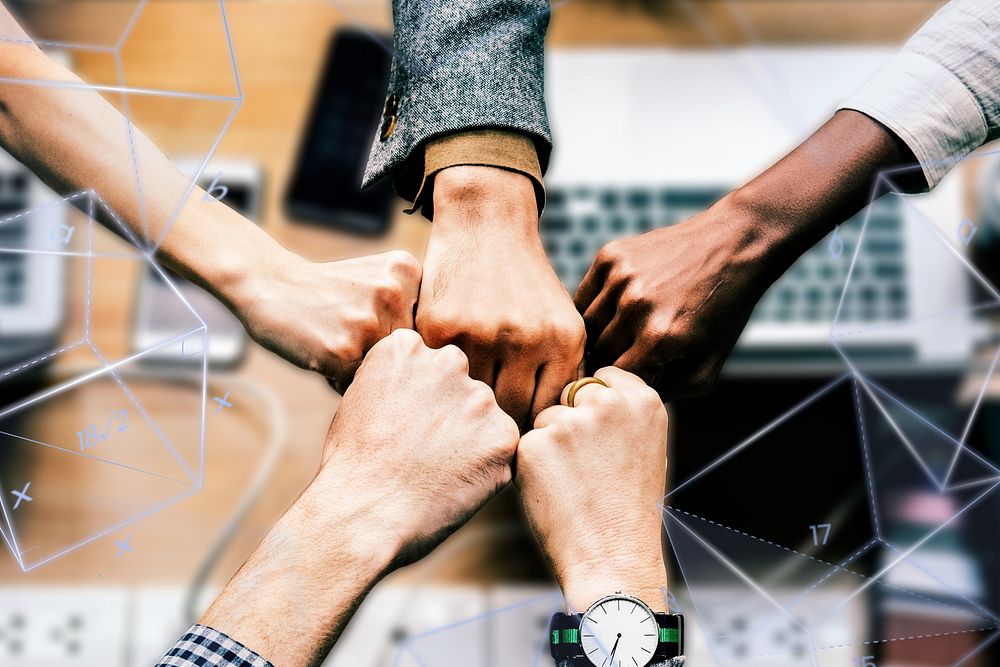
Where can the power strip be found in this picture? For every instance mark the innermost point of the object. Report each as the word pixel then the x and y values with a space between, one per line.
pixel 393 616
pixel 63 627
pixel 71 626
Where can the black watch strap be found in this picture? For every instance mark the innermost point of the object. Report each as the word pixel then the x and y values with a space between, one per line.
pixel 564 638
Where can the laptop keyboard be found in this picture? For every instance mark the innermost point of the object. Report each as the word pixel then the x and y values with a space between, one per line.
pixel 13 234
pixel 578 221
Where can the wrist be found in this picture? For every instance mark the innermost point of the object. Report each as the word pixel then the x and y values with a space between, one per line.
pixel 350 519
pixel 486 196
pixel 223 252
pixel 760 233
pixel 585 582
pixel 823 182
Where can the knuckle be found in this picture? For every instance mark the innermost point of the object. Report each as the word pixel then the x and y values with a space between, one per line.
pixel 388 293
pixel 561 431
pixel 655 332
pixel 507 431
pixel 526 456
pixel 512 337
pixel 402 339
pixel 610 253
pixel 344 349
pixel 385 287
pixel 649 400
pixel 454 357
pixel 368 326
pixel 437 328
pixel 634 296
pixel 532 450
pixel 404 262
pixel 569 326
pixel 482 397
pixel 613 400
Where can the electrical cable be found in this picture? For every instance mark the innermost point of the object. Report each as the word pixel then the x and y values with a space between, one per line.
pixel 262 474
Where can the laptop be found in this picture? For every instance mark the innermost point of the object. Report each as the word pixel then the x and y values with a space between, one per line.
pixel 32 285
pixel 649 137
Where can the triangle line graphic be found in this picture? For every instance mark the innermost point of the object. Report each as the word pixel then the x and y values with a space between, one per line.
pixel 735 569
pixel 868 580
pixel 960 447
pixel 95 458
pixel 906 441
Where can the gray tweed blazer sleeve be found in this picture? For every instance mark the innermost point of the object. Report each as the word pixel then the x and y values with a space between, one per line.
pixel 459 65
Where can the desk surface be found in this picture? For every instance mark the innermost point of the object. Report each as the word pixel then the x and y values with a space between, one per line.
pixel 280 45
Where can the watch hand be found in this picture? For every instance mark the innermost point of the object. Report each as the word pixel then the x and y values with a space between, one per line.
pixel 611 657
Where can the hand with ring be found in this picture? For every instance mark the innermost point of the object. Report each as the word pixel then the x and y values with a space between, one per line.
pixel 589 476
pixel 570 391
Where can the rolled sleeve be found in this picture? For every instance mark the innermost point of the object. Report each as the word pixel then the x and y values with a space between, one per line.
pixel 927 107
pixel 458 66
pixel 941 94
pixel 203 646
pixel 484 148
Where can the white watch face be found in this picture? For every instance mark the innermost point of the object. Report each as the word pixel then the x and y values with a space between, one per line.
pixel 619 632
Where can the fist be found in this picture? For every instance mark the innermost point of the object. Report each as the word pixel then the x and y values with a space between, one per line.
pixel 590 478
pixel 430 443
pixel 489 289
pixel 326 316
pixel 669 305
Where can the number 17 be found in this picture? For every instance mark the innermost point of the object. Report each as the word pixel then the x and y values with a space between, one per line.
pixel 826 536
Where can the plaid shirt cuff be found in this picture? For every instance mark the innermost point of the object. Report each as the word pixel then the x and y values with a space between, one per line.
pixel 204 647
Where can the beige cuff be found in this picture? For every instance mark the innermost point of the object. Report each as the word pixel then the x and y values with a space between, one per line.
pixel 927 107
pixel 504 149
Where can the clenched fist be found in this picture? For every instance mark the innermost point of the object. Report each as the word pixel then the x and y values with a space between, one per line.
pixel 426 444
pixel 489 289
pixel 325 316
pixel 590 478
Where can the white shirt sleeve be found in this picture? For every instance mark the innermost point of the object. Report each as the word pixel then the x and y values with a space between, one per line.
pixel 941 94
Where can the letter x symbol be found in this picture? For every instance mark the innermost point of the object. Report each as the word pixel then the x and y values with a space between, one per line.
pixel 223 402
pixel 22 495
pixel 123 546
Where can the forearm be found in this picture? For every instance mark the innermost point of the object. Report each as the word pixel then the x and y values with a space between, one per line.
pixel 828 178
pixel 638 569
pixel 293 597
pixel 934 102
pixel 76 140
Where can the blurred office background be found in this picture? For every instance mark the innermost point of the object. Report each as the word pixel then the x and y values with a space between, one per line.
pixel 658 108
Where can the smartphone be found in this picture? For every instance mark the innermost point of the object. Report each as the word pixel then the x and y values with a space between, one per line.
pixel 237 184
pixel 347 110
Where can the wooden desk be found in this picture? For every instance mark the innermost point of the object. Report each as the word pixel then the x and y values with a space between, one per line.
pixel 280 45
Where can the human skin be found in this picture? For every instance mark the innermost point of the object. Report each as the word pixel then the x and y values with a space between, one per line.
pixel 590 477
pixel 489 289
pixel 669 305
pixel 416 447
pixel 318 315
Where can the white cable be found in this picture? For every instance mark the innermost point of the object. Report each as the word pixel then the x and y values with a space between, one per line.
pixel 275 446
pixel 263 472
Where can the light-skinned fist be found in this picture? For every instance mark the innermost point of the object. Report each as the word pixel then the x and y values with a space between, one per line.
pixel 324 316
pixel 590 479
pixel 422 442
pixel 488 288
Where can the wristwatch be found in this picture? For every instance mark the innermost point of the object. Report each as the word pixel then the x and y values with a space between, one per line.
pixel 617 631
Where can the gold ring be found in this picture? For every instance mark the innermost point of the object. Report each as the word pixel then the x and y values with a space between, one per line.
pixel 577 384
